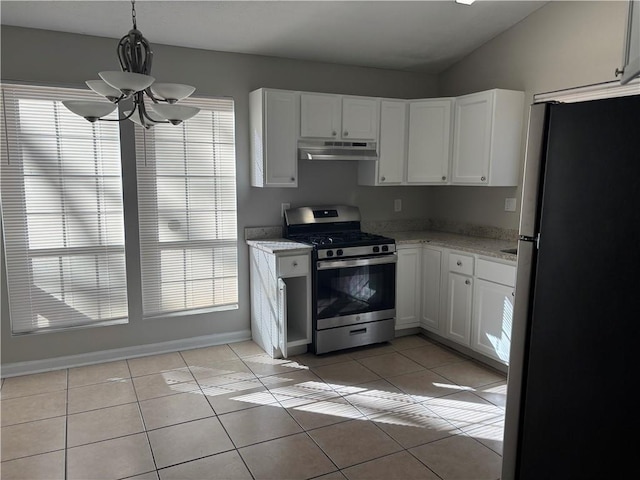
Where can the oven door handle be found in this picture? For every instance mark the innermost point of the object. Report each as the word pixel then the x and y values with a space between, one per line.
pixel 357 262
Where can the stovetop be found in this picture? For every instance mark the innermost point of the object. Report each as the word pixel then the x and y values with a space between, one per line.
pixel 340 239
pixel 334 231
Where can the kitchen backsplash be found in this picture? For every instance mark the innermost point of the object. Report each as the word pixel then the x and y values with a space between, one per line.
pixel 473 230
pixel 261 233
pixel 416 225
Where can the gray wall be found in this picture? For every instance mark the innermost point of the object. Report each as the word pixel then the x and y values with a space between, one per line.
pixel 56 58
pixel 561 45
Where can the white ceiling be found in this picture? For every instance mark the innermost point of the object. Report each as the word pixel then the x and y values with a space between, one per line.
pixel 423 36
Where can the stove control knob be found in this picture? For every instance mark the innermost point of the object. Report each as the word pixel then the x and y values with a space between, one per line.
pixel 385 248
pixel 329 253
pixel 376 249
pixel 339 252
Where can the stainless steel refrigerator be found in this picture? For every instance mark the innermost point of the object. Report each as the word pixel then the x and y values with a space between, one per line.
pixel 572 411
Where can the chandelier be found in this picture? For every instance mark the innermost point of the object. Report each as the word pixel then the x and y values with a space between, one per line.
pixel 135 82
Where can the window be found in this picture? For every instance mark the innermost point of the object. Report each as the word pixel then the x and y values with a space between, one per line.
pixel 62 212
pixel 187 211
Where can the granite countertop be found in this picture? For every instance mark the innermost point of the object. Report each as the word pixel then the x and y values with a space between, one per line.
pixel 489 247
pixel 279 245
pixel 268 239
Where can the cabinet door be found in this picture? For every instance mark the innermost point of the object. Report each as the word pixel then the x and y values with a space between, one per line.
pixel 459 298
pixel 320 115
pixel 282 317
pixel 359 118
pixel 392 152
pixel 431 268
pixel 280 142
pixel 408 281
pixel 429 141
pixel 472 138
pixel 492 319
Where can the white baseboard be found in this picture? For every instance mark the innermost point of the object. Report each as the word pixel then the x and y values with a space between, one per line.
pixel 69 361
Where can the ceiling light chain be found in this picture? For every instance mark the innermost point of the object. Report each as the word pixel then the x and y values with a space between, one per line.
pixel 135 82
pixel 133 14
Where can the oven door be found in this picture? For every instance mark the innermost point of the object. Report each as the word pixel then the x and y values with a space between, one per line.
pixel 355 290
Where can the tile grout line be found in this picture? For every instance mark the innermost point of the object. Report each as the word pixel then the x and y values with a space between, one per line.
pixel 144 425
pixel 66 430
pixel 217 417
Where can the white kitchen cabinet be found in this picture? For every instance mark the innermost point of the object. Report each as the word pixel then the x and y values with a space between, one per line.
pixel 487 138
pixel 431 285
pixel 280 301
pixel 408 286
pixel 273 116
pixel 631 51
pixel 459 296
pixel 390 167
pixel 458 309
pixel 429 142
pixel 493 309
pixel 338 117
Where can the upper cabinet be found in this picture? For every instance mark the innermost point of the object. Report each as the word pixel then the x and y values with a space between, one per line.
pixel 338 117
pixel 391 164
pixel 487 138
pixel 469 140
pixel 429 141
pixel 414 144
pixel 631 52
pixel 273 117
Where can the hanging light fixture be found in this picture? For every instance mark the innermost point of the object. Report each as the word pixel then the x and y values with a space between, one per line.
pixel 135 82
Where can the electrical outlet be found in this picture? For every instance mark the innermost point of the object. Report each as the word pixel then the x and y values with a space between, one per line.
pixel 283 207
pixel 397 205
pixel 509 204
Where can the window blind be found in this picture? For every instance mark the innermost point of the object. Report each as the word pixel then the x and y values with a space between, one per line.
pixel 62 212
pixel 187 211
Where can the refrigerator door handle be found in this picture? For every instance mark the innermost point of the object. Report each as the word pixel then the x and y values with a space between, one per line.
pixel 533 168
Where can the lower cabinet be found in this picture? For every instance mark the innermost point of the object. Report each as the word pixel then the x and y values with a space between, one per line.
pixel 280 301
pixel 462 297
pixel 431 287
pixel 408 286
pixel 459 302
pixel 493 297
pixel 459 294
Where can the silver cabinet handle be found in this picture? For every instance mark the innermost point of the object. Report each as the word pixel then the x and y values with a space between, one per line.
pixel 513 294
pixel 295 264
pixel 444 178
pixel 382 179
pixel 293 179
pixel 334 133
pixel 459 263
pixel 346 134
pixel 467 282
pixel 483 178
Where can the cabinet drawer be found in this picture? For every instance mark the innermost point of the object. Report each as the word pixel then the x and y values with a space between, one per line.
pixel 496 272
pixel 461 264
pixel 293 266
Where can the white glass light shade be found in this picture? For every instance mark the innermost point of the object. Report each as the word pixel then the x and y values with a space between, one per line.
pixel 89 110
pixel 172 92
pixel 127 82
pixel 135 118
pixel 175 113
pixel 103 88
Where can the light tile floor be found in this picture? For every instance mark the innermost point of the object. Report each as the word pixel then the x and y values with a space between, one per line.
pixel 408 409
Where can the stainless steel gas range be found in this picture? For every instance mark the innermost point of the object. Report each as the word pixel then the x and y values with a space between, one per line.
pixel 354 277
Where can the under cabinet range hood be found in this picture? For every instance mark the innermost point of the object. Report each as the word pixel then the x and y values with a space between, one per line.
pixel 330 150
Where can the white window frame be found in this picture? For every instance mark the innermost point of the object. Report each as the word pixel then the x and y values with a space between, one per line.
pixel 222 242
pixel 28 301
